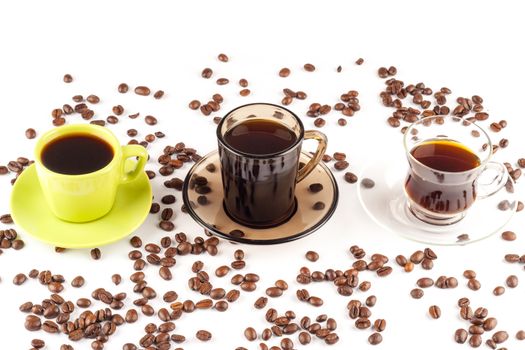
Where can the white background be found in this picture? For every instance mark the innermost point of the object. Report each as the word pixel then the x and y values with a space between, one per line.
pixel 472 47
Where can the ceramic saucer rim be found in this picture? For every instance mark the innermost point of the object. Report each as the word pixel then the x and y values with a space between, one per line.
pixel 312 229
pixel 31 171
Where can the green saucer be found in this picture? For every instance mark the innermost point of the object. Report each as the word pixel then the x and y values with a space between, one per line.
pixel 30 212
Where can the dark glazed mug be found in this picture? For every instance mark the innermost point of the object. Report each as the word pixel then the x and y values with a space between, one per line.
pixel 259 189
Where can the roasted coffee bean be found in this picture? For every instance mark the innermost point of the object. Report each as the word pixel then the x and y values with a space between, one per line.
pixel 512 281
pixel 165 273
pixel 284 72
pixel 468 274
pixel 309 67
pixel 315 301
pixel 244 92
pixel 30 133
pixel 319 122
pixel 434 311
pixel 32 323
pixel 367 183
pixel 460 336
pixel 233 295
pixel 379 325
pixel 375 338
pixel 416 293
pixel 315 187
pixel 222 81
pixel 123 88
pixel 77 282
pixel 166 226
pixel 341 165
pixel 83 302
pixel 384 271
pixel 95 254
pixel 474 284
pixel 203 335
pixel 19 279
pixel 350 177
pixel 508 236
pixel 142 90
pixel 150 120
pixel 93 99
pixel 274 292
pixel 500 337
pixel 250 334
pixel 158 94
pixel 498 291
pixel 311 255
pixel 520 335
pixel 341 121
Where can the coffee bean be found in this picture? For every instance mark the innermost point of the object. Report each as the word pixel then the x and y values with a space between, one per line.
pixel 512 281
pixel 460 336
pixel 384 271
pixel 474 284
pixel 468 274
pixel 339 69
pixel 123 88
pixel 19 279
pixel 500 337
pixel 32 323
pixel 367 183
pixel 311 255
pixel 3 170
pixel 244 92
pixel 379 325
pixel 150 120
pixel 319 122
pixel 274 292
pixel 315 301
pixel 77 282
pixel 508 236
pixel 250 334
pixel 350 177
pixel 434 312
pixel 83 302
pixel 318 206
pixel 416 293
pixel 498 291
pixel 520 335
pixel 67 78
pixel 222 81
pixel 309 67
pixel 341 165
pixel 375 338
pixel 284 72
pixel 203 335
pixel 30 133
pixel 142 90
pixel 95 254
pixel 93 99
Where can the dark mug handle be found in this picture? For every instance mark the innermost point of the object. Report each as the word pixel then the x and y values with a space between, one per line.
pixel 319 153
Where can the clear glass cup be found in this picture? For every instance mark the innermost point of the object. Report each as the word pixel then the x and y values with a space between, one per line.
pixel 440 197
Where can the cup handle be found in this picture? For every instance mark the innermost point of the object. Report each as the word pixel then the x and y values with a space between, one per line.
pixel 319 153
pixel 130 151
pixel 492 179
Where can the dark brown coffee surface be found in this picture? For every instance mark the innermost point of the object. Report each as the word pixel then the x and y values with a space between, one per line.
pixel 260 137
pixel 77 154
pixel 446 155
pixel 442 189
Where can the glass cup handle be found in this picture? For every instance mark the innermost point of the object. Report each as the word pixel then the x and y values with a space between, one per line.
pixel 319 153
pixel 129 151
pixel 492 179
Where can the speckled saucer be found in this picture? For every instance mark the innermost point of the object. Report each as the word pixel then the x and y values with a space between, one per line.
pixel 306 219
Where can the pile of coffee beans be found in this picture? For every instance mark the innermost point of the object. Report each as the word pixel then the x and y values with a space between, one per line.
pixel 9 237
